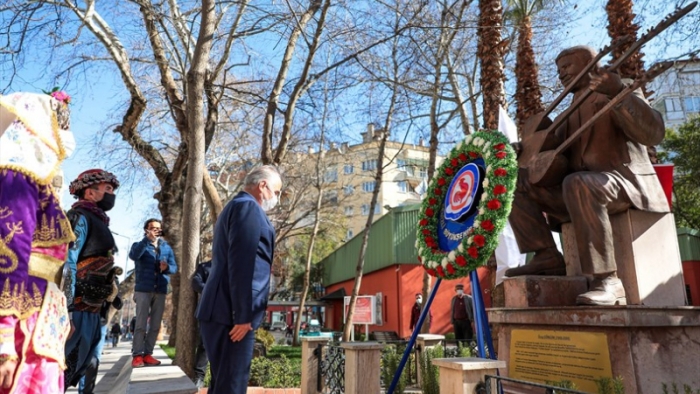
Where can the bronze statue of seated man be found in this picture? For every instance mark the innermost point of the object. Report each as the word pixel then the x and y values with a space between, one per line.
pixel 608 172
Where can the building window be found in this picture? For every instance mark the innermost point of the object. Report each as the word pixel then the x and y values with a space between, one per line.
pixel 348 168
pixel 423 172
pixel 332 197
pixel 377 209
pixel 368 186
pixel 331 175
pixel 349 211
pixel 348 235
pixel 365 209
pixel 348 189
pixel 403 187
pixel 692 104
pixel 410 171
pixel 401 164
pixel 369 165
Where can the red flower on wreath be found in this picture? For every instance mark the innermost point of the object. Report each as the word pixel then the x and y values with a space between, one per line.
pixel 440 271
pixel 487 225
pixel 426 231
pixel 479 240
pixel 429 240
pixel 501 154
pixel 429 212
pixel 423 222
pixel 432 201
pixel 494 204
pixel 473 252
pixel 461 261
pixel 450 269
pixel 420 259
pixel 454 162
pixel 449 171
pixel 473 155
pixel 500 146
pixel 500 172
pixel 462 157
pixel 430 271
pixel 441 181
pixel 499 189
pixel 438 191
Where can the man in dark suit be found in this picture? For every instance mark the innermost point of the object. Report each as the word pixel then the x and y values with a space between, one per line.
pixel 608 172
pixel 235 297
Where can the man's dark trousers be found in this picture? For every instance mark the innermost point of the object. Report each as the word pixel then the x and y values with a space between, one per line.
pixel 230 361
pixel 463 330
pixel 200 359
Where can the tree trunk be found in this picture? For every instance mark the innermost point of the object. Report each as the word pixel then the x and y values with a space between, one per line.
pixel 187 337
pixel 528 96
pixel 490 51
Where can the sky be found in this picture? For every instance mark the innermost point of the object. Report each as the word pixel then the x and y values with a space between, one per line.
pixel 91 112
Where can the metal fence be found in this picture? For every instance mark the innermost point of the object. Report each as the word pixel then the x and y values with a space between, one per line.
pixel 505 385
pixel 331 369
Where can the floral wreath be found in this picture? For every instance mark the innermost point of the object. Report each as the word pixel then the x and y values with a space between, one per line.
pixel 475 248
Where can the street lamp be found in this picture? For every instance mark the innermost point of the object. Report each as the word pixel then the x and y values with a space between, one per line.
pixel 126 274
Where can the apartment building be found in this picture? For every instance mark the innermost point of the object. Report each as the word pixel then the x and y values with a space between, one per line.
pixel 676 92
pixel 350 172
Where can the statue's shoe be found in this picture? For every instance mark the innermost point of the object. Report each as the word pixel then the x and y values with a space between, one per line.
pixel 604 292
pixel 547 262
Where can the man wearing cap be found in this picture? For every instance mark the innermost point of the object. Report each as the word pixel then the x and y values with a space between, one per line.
pixel 462 314
pixel 416 310
pixel 91 259
pixel 34 237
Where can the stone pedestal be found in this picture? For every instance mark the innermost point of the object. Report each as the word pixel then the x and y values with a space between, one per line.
pixel 424 342
pixel 647 346
pixel 309 363
pixel 463 375
pixel 647 256
pixel 528 291
pixel 362 367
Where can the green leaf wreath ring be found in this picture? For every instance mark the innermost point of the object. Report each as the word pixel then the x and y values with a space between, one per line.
pixel 484 162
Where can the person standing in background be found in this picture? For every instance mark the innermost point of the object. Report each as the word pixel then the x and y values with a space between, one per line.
pixel 154 261
pixel 199 279
pixel 462 314
pixel 416 310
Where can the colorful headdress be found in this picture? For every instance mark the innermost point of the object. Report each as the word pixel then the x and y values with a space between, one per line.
pixel 92 177
pixel 62 112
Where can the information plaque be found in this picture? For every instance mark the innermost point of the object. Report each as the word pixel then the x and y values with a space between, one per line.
pixel 554 356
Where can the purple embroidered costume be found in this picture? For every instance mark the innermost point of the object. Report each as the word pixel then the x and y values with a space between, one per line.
pixel 34 236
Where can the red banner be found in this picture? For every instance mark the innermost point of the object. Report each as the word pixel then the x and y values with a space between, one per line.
pixel 665 174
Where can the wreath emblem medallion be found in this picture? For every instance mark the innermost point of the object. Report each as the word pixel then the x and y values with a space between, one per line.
pixel 467 205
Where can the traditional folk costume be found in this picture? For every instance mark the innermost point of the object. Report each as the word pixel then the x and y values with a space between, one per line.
pixel 91 257
pixel 34 238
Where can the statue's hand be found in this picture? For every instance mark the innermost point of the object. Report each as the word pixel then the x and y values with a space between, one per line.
pixel 605 82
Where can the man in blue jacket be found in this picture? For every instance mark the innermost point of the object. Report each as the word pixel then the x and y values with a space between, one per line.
pixel 235 297
pixel 155 261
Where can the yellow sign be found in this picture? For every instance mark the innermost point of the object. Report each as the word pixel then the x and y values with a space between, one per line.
pixel 555 356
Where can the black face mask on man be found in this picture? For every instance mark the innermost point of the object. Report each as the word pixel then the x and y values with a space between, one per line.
pixel 107 202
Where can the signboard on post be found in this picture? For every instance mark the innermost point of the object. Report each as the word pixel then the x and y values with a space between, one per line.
pixel 365 310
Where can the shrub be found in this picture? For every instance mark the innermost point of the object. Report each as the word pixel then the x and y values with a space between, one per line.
pixel 264 337
pixel 390 364
pixel 430 375
pixel 275 373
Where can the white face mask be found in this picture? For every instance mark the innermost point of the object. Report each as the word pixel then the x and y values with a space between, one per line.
pixel 460 292
pixel 271 203
pixel 419 300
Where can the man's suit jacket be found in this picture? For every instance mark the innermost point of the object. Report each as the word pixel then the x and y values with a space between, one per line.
pixel 239 282
pixel 616 145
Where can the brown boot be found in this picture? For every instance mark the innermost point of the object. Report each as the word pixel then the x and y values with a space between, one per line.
pixel 546 262
pixel 604 291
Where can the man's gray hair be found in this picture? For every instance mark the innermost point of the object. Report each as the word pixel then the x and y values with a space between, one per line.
pixel 259 174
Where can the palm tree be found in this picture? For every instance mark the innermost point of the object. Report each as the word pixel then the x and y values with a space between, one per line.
pixel 490 51
pixel 528 96
pixel 621 23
